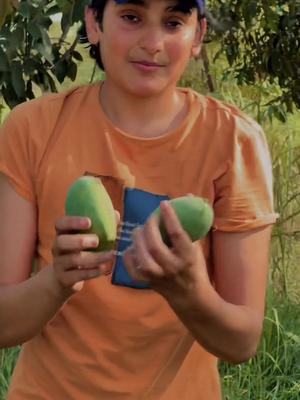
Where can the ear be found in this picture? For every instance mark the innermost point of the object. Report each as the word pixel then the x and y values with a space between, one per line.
pixel 92 26
pixel 199 36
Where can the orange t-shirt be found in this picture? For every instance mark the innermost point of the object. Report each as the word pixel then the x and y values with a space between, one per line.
pixel 115 339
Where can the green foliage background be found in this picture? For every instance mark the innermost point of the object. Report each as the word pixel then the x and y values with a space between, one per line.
pixel 262 43
pixel 260 40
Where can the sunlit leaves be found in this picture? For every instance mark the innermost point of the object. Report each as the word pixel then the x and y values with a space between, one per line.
pixel 28 55
pixel 262 43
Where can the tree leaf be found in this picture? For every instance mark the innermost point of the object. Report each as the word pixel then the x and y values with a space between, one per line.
pixel 65 21
pixel 29 91
pixel 77 55
pixel 17 38
pixel 9 95
pixel 51 83
pixel 78 12
pixel 17 78
pixel 29 66
pixel 5 35
pixel 45 48
pixel 64 4
pixel 45 51
pixel 280 113
pixel 34 30
pixel 72 71
pixel 53 10
pixel 5 10
pixel 60 70
pixel 4 66
pixel 25 10
pixel 44 22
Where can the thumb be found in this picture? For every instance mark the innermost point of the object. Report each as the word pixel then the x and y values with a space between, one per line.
pixel 118 218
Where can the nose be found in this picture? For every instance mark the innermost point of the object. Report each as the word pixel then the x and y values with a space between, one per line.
pixel 152 40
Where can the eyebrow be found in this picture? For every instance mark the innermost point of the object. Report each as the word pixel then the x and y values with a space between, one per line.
pixel 179 7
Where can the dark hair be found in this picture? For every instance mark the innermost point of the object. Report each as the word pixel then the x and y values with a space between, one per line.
pixel 98 6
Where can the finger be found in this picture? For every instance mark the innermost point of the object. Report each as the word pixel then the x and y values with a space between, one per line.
pixel 161 254
pixel 74 243
pixel 72 223
pixel 72 277
pixel 149 266
pixel 132 266
pixel 118 218
pixel 182 245
pixel 84 260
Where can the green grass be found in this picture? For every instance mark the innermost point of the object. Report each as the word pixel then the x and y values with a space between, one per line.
pixel 275 372
pixel 7 362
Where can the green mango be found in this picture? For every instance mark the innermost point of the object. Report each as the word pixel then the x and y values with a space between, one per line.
pixel 87 197
pixel 195 215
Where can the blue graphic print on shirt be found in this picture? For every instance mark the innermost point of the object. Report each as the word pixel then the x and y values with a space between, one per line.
pixel 138 205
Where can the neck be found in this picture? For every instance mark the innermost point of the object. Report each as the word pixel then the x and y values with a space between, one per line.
pixel 135 115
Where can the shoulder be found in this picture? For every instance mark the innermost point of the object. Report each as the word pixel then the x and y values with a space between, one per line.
pixel 225 120
pixel 30 126
pixel 34 121
pixel 49 105
pixel 227 133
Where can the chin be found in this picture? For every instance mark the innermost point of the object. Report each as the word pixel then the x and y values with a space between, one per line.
pixel 147 89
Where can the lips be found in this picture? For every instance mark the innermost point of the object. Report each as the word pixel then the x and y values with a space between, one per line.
pixel 148 63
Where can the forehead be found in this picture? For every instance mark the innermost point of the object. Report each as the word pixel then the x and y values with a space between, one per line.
pixel 182 3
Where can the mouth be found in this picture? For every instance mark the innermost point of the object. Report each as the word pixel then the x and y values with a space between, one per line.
pixel 147 63
pixel 147 66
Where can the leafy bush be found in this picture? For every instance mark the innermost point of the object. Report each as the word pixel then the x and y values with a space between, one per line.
pixel 261 41
pixel 28 56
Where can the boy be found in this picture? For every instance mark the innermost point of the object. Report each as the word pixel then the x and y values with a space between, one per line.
pixel 150 324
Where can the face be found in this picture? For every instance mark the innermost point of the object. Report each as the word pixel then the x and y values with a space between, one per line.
pixel 145 45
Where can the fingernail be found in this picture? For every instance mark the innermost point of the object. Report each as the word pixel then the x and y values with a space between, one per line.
pixel 86 222
pixel 91 242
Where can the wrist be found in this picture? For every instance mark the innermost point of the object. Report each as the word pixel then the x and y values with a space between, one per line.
pixel 53 286
pixel 198 296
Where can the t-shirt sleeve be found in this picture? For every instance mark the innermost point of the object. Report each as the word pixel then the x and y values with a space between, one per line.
pixel 16 153
pixel 244 190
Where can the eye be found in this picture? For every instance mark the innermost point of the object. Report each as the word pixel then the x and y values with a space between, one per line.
pixel 174 24
pixel 131 18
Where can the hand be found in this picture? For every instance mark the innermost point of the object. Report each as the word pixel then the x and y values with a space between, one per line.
pixel 166 269
pixel 72 262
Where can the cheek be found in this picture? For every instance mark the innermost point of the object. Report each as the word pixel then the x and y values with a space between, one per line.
pixel 119 44
pixel 112 47
pixel 179 50
pixel 113 51
pixel 178 53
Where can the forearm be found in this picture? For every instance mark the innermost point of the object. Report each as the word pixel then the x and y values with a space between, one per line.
pixel 230 332
pixel 25 308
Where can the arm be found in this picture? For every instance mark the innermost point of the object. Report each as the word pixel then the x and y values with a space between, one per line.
pixel 17 245
pixel 42 295
pixel 226 319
